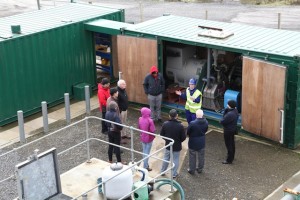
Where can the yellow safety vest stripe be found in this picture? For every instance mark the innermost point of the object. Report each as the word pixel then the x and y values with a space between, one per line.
pixel 190 105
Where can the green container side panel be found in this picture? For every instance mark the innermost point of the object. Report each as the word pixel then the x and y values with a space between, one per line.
pixel 45 65
pixel 297 106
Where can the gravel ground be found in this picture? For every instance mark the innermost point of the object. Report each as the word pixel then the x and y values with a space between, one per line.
pixel 256 172
pixel 258 169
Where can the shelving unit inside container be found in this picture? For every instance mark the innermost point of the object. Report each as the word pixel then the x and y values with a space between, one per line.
pixel 103 53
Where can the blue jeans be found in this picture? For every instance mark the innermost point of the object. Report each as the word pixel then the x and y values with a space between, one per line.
pixel 146 150
pixel 176 155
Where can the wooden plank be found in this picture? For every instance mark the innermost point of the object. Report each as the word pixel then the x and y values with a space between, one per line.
pixel 262 97
pixel 135 57
pixel 273 91
pixel 252 96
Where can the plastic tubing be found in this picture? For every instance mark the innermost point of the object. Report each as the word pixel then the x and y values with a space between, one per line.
pixel 175 184
pixel 143 177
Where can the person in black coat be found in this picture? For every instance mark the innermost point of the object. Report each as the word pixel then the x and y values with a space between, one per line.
pixel 196 133
pixel 114 134
pixel 229 123
pixel 123 106
pixel 172 129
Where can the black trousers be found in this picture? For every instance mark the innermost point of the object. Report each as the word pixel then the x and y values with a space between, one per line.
pixel 104 127
pixel 230 145
pixel 115 138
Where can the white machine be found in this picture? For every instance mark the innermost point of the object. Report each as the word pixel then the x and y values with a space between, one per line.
pixel 121 184
pixel 182 64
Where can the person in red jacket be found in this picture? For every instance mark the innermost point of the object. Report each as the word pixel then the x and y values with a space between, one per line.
pixel 103 95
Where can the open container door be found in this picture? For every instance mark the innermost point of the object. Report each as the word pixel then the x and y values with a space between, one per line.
pixel 135 58
pixel 263 97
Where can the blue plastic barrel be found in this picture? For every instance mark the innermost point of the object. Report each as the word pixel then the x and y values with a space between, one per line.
pixel 232 95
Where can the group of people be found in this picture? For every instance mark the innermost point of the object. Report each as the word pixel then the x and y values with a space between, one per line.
pixel 114 104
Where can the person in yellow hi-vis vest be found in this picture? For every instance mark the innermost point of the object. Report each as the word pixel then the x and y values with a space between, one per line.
pixel 193 98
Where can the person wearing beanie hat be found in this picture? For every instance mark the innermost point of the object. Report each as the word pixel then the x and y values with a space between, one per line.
pixel 154 86
pixel 193 98
pixel 229 122
pixel 231 103
pixel 172 129
pixel 103 95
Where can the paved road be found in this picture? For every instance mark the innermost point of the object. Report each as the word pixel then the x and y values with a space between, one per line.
pixel 227 11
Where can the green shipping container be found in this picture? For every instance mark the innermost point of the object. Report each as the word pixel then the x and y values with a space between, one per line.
pixel 258 65
pixel 52 54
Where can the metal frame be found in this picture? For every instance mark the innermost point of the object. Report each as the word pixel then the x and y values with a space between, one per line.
pixel 88 139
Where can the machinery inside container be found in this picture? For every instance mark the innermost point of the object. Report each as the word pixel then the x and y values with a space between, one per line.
pixel 222 82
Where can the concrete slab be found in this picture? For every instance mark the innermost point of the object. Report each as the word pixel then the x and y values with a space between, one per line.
pixel 88 173
pixel 291 183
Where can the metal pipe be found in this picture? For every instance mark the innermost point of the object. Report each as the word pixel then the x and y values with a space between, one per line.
pixel 281 126
pixel 120 75
pixel 173 166
pixel 208 66
pixel 38 4
pixel 67 108
pixel 132 129
pixel 206 14
pixel 87 99
pixel 141 11
pixel 21 126
pixel 84 197
pixel 87 138
pixel 131 135
pixel 45 117
pixel 279 21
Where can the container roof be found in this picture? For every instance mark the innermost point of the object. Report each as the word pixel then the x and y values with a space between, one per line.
pixel 106 26
pixel 245 37
pixel 40 20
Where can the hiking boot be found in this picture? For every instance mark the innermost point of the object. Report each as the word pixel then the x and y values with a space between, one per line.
pixel 123 142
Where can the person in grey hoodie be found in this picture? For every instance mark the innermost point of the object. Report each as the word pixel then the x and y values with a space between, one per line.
pixel 196 133
pixel 114 134
pixel 229 123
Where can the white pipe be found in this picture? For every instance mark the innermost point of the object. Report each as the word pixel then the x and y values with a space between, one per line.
pixel 136 168
pixel 281 126
pixel 120 75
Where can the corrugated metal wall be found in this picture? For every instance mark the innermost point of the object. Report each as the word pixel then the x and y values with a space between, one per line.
pixel 44 66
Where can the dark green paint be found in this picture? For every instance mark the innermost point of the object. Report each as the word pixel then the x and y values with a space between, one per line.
pixel 44 65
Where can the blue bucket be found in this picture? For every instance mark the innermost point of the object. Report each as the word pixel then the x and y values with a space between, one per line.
pixel 232 95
